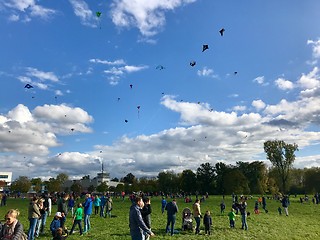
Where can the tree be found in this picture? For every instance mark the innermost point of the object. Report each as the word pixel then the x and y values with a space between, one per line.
pixel 129 178
pixel 168 182
pixel 103 187
pixel 235 182
pixel 53 185
pixel 76 188
pixel 36 182
pixel 205 178
pixel 188 180
pixel 312 180
pixel 91 188
pixel 256 173
pixel 21 184
pixel 282 156
pixel 221 170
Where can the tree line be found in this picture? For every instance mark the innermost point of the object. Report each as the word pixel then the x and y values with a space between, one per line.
pixel 242 178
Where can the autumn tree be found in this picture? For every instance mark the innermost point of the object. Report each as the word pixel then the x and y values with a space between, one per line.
pixel 21 184
pixel 282 156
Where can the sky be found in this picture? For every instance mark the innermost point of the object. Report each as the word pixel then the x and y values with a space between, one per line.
pixel 118 88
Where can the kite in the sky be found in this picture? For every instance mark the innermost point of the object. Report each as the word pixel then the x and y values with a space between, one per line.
pixel 160 67
pixel 72 129
pixel 235 73
pixel 221 32
pixel 118 99
pixel 126 121
pixel 192 63
pixel 28 86
pixel 131 86
pixel 138 107
pixel 98 14
pixel 205 47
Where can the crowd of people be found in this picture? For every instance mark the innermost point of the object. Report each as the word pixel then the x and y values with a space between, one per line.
pixel 139 214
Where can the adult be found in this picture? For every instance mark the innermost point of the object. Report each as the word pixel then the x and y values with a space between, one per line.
pixel 264 204
pixel 285 204
pixel 33 216
pixel 96 203
pixel 172 210
pixel 102 205
pixel 12 229
pixel 146 212
pixel 136 223
pixel 243 211
pixel 109 207
pixel 71 204
pixel 87 205
pixel 40 202
pixel 197 214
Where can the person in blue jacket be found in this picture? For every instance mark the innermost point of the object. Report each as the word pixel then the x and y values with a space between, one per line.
pixel 87 209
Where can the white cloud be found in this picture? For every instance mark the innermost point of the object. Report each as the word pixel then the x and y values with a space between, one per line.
pixel 239 108
pixel 258 104
pixel 147 15
pixel 41 75
pixel 28 8
pixel 206 72
pixel 316 48
pixel 82 10
pixel 310 80
pixel 106 62
pixel 34 132
pixel 284 84
pixel 259 80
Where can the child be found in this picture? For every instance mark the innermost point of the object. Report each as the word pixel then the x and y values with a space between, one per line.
pixel 60 235
pixel 207 222
pixel 232 218
pixel 77 219
pixel 256 208
pixel 280 210
pixel 222 207
pixel 57 222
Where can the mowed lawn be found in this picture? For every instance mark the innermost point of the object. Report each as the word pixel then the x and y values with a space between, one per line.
pixel 303 221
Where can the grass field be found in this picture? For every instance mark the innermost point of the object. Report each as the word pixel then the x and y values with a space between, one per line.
pixel 302 222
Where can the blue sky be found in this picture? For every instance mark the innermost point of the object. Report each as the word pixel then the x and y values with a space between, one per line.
pixel 81 67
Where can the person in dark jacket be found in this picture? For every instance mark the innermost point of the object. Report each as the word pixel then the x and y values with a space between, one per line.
pixel 136 223
pixel 12 229
pixel 207 222
pixel 172 210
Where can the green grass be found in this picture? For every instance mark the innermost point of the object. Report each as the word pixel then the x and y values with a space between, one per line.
pixel 302 223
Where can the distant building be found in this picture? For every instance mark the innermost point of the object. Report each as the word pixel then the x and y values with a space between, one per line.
pixel 101 177
pixel 6 178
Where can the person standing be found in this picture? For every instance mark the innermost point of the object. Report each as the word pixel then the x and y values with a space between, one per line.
pixel 87 212
pixel 232 218
pixel 207 222
pixel 96 203
pixel 136 223
pixel 163 204
pixel 71 204
pixel 243 211
pixel 197 214
pixel 33 216
pixel 77 219
pixel 109 207
pixel 172 210
pixel 285 204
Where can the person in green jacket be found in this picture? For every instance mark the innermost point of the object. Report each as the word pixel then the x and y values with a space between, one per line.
pixel 232 218
pixel 77 219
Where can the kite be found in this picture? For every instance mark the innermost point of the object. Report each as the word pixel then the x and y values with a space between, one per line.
pixel 118 99
pixel 138 107
pixel 235 73
pixel 126 121
pixel 98 14
pixel 192 63
pixel 160 67
pixel 221 32
pixel 205 47
pixel 28 86
pixel 131 86
pixel 72 129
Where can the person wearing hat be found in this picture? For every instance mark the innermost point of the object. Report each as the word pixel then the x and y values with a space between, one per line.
pixel 56 222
